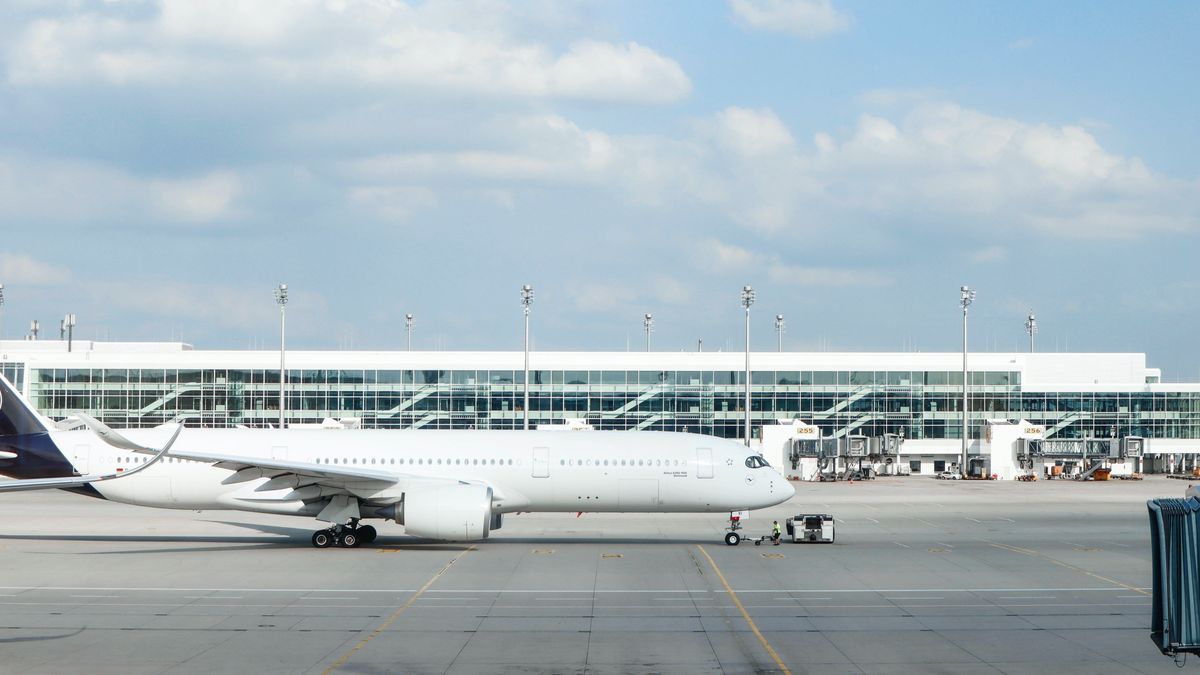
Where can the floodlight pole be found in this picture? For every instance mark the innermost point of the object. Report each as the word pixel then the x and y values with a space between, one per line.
pixel 34 327
pixel 648 324
pixel 780 325
pixel 968 296
pixel 281 297
pixel 69 322
pixel 747 300
pixel 1031 328
pixel 526 302
pixel 408 328
pixel 1 309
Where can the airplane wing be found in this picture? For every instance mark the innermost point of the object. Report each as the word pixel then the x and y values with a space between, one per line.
pixel 309 481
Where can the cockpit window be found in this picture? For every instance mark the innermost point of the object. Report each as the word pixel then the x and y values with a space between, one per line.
pixel 756 462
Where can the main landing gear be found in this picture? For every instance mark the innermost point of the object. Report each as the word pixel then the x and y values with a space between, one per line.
pixel 346 536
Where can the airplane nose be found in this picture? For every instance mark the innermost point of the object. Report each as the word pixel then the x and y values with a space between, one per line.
pixel 787 488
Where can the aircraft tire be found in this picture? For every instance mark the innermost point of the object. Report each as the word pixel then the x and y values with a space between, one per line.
pixel 322 539
pixel 367 534
pixel 733 538
pixel 349 540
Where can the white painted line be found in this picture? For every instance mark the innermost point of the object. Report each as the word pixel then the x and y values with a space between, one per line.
pixel 942 543
pixel 899 544
pixel 95 596
pixel 1008 519
pixel 211 597
pixel 587 591
pixel 1044 597
pixel 929 597
pixel 975 521
pixel 331 597
pixel 873 520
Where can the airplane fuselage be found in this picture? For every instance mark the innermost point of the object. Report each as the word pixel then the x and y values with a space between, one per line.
pixel 527 471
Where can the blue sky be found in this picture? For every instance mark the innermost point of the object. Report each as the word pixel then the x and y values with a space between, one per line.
pixel 164 164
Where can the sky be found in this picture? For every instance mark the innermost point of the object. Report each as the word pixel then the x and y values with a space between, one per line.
pixel 165 164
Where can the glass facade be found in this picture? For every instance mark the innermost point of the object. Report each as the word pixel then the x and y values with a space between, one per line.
pixel 925 404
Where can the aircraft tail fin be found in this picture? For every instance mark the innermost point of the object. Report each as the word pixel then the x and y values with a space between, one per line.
pixel 17 418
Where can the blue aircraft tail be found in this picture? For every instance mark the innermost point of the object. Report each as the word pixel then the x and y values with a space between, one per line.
pixel 16 417
pixel 26 449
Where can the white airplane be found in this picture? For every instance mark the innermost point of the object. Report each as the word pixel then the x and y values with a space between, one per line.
pixel 446 485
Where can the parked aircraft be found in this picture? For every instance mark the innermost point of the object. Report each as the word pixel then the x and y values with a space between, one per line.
pixel 446 485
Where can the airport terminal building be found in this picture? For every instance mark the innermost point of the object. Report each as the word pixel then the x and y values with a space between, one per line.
pixel 919 394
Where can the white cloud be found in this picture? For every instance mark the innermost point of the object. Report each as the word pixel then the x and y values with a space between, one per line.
pixel 722 257
pixel 208 303
pixel 989 254
pixel 752 133
pixel 715 256
pixel 935 162
pixel 670 291
pixel 394 203
pixel 437 46
pixel 803 18
pixel 951 162
pixel 201 199
pixel 78 191
pixel 18 268
pixel 798 275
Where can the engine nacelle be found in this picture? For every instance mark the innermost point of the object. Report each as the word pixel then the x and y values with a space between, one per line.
pixel 448 512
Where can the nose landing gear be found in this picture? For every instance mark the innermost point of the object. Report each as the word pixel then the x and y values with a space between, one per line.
pixel 732 538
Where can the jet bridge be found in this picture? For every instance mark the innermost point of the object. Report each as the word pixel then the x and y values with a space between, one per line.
pixel 885 453
pixel 1079 458
pixel 806 455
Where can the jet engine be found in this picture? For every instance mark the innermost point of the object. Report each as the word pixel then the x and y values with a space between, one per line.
pixel 448 512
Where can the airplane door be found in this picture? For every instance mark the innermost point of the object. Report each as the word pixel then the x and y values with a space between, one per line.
pixel 704 463
pixel 541 462
pixel 81 458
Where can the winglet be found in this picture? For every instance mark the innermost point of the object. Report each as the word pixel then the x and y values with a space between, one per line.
pixel 111 437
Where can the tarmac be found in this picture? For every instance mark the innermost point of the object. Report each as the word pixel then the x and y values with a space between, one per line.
pixel 924 576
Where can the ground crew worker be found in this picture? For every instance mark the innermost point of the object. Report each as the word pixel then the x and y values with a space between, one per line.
pixel 775 533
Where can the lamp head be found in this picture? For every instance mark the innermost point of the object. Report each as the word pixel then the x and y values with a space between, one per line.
pixel 747 296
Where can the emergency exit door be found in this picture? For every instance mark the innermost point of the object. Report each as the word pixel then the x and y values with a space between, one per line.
pixel 81 458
